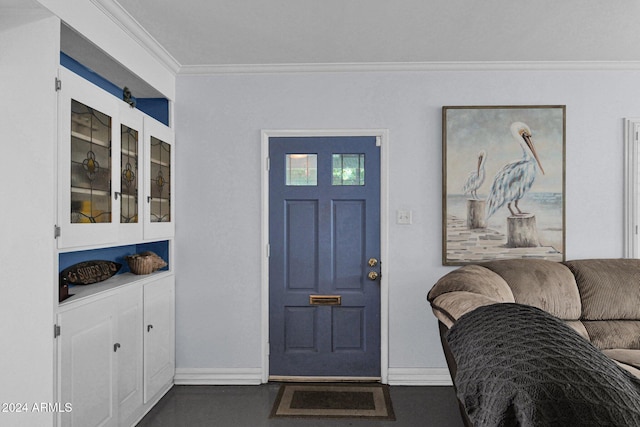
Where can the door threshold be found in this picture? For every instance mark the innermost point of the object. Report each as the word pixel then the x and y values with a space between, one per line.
pixel 305 379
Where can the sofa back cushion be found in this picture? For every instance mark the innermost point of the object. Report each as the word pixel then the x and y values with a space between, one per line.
pixel 608 334
pixel 544 284
pixel 609 288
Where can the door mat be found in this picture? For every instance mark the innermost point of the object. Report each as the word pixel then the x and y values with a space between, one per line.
pixel 333 401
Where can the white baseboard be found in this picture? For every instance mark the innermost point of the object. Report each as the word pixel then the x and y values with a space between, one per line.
pixel 419 376
pixel 253 376
pixel 218 376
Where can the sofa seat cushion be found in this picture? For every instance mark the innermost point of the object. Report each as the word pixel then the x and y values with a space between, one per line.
pixel 624 355
pixel 632 370
pixel 609 288
pixel 547 285
pixel 608 334
pixel 577 326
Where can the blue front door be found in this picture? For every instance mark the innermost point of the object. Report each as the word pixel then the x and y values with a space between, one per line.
pixel 324 231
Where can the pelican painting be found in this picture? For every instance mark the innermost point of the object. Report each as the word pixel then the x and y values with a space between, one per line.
pixel 475 179
pixel 484 173
pixel 515 179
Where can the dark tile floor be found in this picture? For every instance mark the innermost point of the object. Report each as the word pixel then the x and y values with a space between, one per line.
pixel 250 406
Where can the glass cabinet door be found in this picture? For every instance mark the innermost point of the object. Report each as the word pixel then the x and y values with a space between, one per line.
pixel 130 175
pixel 160 197
pixel 90 164
pixel 89 132
pixel 159 161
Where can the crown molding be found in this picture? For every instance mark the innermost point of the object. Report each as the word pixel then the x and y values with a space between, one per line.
pixel 114 11
pixel 412 66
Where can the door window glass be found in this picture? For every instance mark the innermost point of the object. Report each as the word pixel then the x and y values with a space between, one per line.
pixel 301 169
pixel 348 169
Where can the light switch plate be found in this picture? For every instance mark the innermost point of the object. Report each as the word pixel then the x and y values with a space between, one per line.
pixel 403 217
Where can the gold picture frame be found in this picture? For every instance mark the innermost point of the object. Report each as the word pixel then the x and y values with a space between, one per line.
pixel 503 183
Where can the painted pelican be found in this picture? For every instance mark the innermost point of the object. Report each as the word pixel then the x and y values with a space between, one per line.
pixel 475 177
pixel 516 178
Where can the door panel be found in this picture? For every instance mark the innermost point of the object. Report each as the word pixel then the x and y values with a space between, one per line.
pixel 300 329
pixel 348 243
pixel 348 329
pixel 301 244
pixel 324 214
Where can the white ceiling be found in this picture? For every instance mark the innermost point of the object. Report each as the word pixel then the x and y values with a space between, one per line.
pixel 244 32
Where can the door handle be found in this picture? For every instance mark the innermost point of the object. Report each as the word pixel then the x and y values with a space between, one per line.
pixel 116 346
pixel 373 275
pixel 149 328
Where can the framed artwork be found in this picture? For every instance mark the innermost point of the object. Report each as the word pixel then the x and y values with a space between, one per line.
pixel 503 183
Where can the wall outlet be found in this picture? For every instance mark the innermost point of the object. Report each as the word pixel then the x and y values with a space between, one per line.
pixel 403 217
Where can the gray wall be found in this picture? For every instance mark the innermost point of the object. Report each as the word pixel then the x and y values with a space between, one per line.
pixel 219 119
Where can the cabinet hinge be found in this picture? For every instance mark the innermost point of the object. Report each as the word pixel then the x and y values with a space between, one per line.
pixel 268 250
pixel 58 84
pixel 268 164
pixel 56 231
pixel 56 331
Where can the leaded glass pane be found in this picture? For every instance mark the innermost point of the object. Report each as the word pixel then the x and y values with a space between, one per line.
pixel 90 165
pixel 302 169
pixel 129 175
pixel 160 203
pixel 348 169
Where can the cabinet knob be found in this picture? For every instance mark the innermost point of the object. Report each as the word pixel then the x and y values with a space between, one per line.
pixel 149 327
pixel 116 346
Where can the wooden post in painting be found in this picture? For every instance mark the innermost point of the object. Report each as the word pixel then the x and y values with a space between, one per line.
pixel 522 231
pixel 476 214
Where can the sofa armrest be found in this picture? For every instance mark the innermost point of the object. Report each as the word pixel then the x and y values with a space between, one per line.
pixel 474 279
pixel 449 307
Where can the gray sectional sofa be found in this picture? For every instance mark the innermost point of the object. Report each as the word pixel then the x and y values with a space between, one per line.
pixel 599 299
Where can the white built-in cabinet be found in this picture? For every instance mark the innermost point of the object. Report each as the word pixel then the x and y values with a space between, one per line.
pixel 116 352
pixel 115 340
pixel 115 169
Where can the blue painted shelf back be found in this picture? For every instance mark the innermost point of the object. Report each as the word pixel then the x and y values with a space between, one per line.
pixel 116 254
pixel 158 108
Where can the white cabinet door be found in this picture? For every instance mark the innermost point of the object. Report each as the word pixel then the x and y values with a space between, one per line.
pixel 87 372
pixel 129 354
pixel 159 336
pixel 87 122
pixel 159 181
pixel 129 184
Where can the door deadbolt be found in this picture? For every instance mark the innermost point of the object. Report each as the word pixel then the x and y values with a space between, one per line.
pixel 372 262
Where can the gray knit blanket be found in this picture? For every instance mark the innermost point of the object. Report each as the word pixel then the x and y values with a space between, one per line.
pixel 518 365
